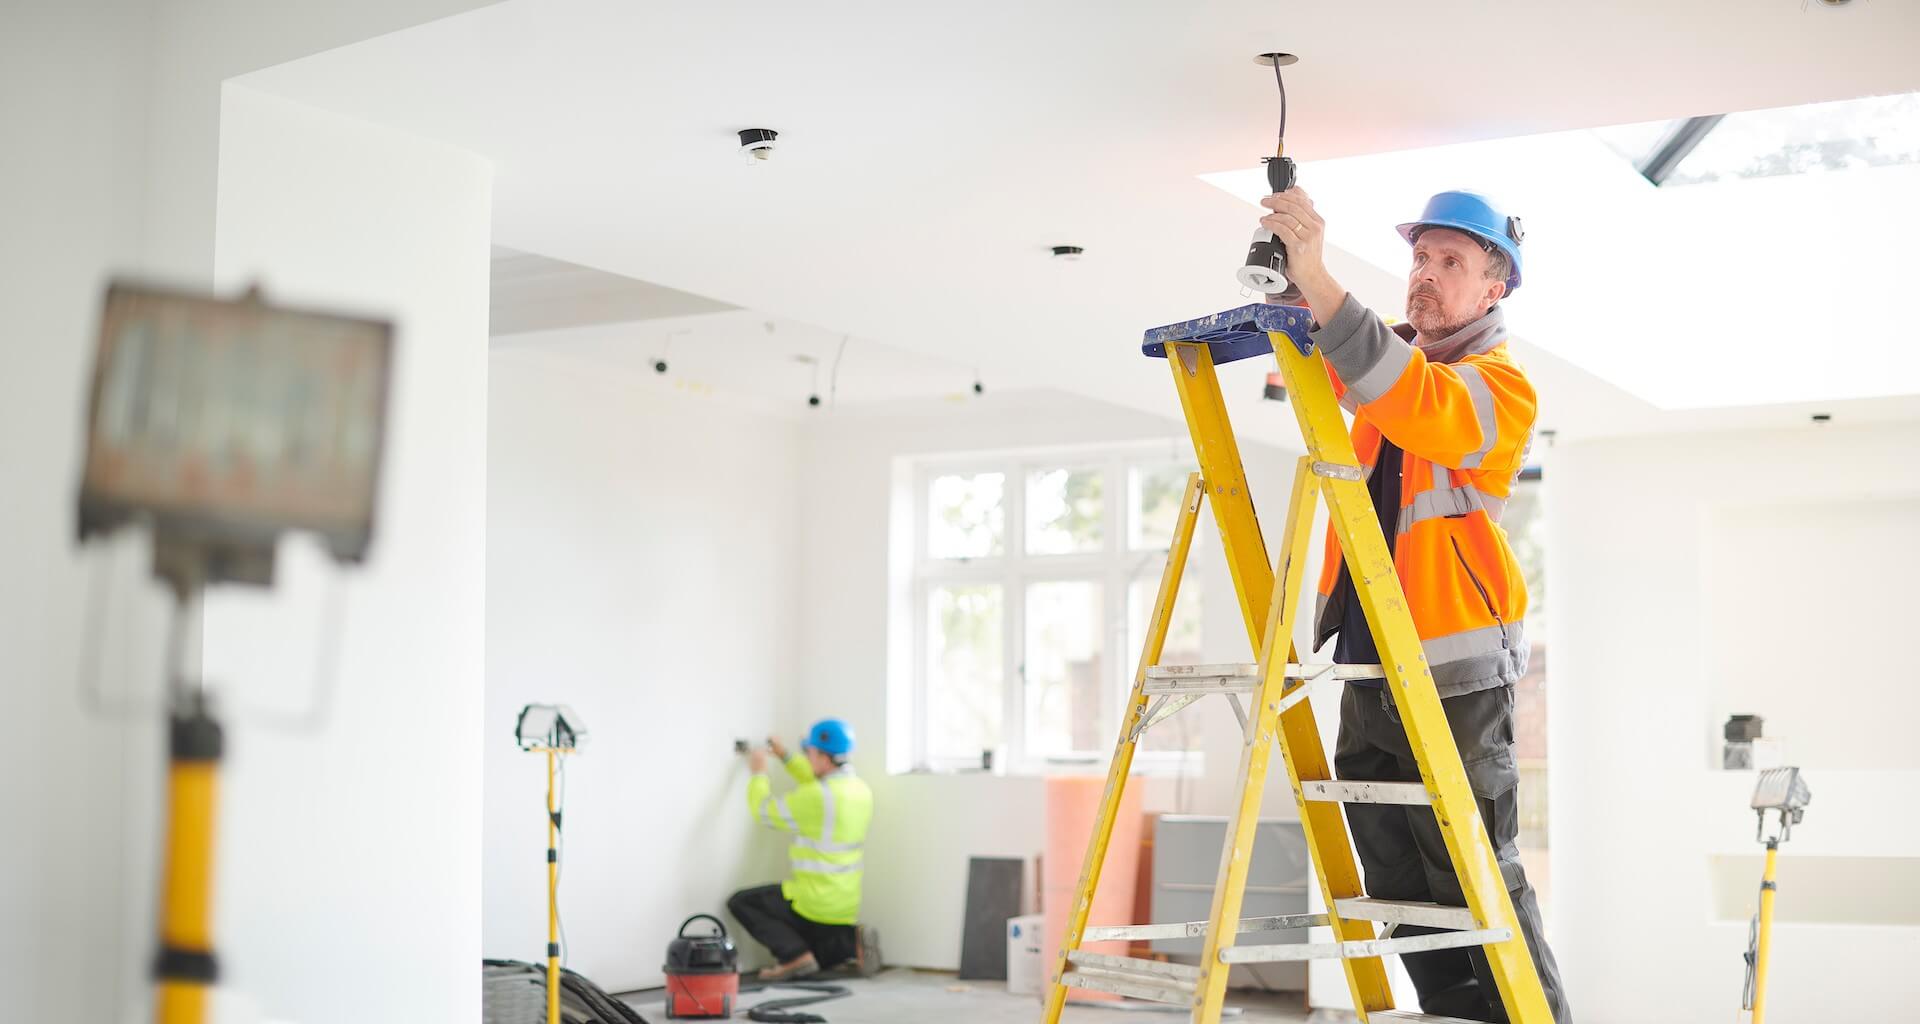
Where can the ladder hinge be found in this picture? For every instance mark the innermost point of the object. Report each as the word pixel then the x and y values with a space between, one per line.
pixel 1338 472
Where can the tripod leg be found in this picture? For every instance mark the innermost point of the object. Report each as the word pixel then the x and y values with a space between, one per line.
pixel 553 903
pixel 186 970
pixel 1767 888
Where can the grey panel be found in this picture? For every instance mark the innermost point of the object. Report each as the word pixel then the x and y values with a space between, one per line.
pixel 1186 859
pixel 993 896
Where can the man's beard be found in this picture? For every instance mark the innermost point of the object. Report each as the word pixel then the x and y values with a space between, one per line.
pixel 1432 323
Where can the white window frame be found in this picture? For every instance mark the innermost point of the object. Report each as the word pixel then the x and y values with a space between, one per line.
pixel 1114 568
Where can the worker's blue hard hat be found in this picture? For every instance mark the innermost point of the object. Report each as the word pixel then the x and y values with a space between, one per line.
pixel 1476 215
pixel 831 737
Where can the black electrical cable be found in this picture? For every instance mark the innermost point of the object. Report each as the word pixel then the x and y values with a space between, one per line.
pixel 833 382
pixel 785 1011
pixel 1277 80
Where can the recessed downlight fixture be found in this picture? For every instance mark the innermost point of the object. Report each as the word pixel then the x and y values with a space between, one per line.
pixel 757 143
pixel 1067 252
pixel 1823 417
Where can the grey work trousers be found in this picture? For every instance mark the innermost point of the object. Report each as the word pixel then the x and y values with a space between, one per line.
pixel 1405 857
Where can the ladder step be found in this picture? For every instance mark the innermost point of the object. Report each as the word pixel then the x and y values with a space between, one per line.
pixel 1125 987
pixel 1160 971
pixel 1426 915
pixel 1155 980
pixel 1391 1016
pixel 1202 678
pixel 1242 677
pixel 1198 929
pixel 1412 793
pixel 1235 669
pixel 1363 949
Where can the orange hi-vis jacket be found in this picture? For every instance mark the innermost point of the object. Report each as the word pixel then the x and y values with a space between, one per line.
pixel 1463 413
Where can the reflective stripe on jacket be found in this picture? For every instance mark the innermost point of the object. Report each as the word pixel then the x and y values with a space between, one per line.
pixel 828 819
pixel 1463 412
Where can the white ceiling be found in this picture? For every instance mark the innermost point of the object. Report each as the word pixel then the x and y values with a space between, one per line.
pixel 774 365
pixel 539 293
pixel 930 154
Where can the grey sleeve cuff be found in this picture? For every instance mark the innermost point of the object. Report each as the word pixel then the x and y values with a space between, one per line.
pixel 1366 354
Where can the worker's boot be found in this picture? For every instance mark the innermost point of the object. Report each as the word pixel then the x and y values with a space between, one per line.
pixel 798 967
pixel 866 957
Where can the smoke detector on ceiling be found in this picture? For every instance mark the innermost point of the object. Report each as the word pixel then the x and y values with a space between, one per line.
pixel 757 143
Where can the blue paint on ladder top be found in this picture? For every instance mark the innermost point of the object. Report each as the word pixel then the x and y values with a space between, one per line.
pixel 1238 333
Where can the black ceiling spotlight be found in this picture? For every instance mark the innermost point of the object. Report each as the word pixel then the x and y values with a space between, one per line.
pixel 757 143
pixel 1070 253
pixel 1823 417
pixel 813 364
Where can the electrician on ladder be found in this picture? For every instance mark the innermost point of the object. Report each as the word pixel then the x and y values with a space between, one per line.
pixel 1442 421
pixel 811 921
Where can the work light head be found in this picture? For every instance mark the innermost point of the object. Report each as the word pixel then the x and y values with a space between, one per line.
pixel 549 726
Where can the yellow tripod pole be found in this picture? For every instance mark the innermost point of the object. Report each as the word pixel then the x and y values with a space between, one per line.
pixel 553 897
pixel 185 969
pixel 1767 888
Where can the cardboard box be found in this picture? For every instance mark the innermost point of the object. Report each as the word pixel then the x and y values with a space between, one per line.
pixel 1026 955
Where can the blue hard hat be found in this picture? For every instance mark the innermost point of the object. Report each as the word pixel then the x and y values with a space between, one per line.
pixel 831 737
pixel 1476 215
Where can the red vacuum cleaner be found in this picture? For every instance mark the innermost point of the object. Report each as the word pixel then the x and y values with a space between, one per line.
pixel 703 973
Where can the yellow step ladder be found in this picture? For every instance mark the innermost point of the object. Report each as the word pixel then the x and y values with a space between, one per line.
pixel 1276 710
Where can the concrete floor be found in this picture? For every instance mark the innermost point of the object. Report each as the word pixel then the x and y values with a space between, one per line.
pixel 928 997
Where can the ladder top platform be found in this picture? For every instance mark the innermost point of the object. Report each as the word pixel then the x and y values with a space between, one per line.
pixel 1238 333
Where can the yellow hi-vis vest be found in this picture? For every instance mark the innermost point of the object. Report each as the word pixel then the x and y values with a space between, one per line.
pixel 828 818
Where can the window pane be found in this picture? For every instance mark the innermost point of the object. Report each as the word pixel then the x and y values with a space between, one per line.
pixel 1525 521
pixel 1182 648
pixel 1874 131
pixel 964 684
pixel 1063 671
pixel 967 516
pixel 1064 511
pixel 1153 505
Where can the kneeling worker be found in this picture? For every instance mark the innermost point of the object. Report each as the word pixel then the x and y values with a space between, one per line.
pixel 811 921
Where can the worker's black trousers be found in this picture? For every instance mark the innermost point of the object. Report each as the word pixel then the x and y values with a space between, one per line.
pixel 767 916
pixel 1405 857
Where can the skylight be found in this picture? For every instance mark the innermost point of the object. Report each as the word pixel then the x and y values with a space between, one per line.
pixel 1844 135
pixel 1876 131
pixel 1617 270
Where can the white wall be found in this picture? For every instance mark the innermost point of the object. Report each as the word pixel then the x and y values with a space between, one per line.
pixel 196 45
pixel 642 566
pixel 354 851
pixel 71 190
pixel 926 826
pixel 111 153
pixel 1636 705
